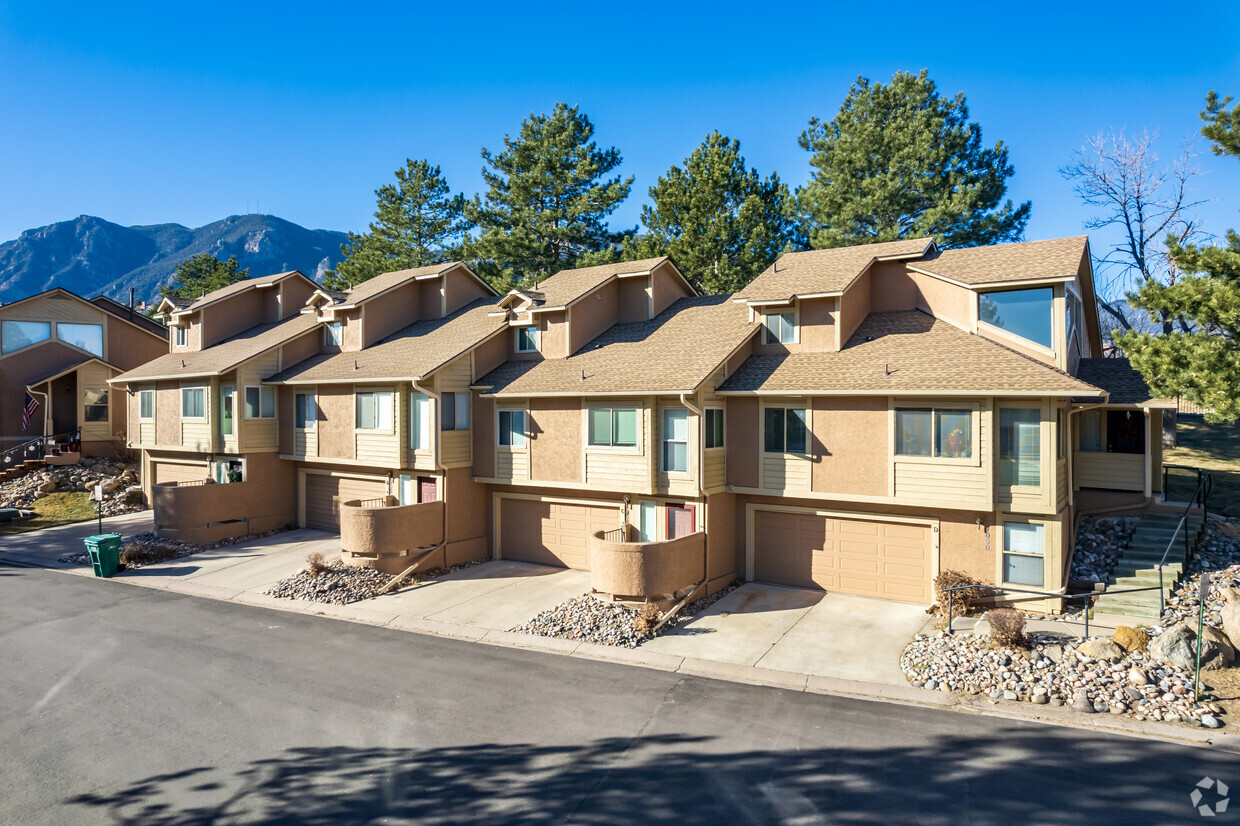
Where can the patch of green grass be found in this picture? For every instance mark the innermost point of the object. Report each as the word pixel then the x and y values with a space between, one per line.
pixel 1215 447
pixel 52 510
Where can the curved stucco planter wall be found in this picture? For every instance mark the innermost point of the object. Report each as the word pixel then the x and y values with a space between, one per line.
pixel 644 570
pixel 208 513
pixel 384 536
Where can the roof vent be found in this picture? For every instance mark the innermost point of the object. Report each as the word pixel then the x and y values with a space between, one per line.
pixel 886 372
pixel 583 375
pixel 182 363
pixel 355 367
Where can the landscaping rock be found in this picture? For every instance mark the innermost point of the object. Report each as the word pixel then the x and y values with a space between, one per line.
pixel 1177 646
pixel 590 619
pixel 24 491
pixel 1082 704
pixel 1102 649
pixel 1131 639
pixel 1210 721
pixel 1229 615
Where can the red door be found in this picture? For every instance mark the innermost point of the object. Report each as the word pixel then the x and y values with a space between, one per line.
pixel 679 521
pixel 426 489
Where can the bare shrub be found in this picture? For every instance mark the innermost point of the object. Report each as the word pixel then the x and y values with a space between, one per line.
pixel 963 601
pixel 647 618
pixel 316 564
pixel 135 554
pixel 1007 628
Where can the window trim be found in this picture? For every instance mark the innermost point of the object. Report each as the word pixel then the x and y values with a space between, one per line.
pixel 328 327
pixel 201 388
pixel 525 429
pixel 103 338
pixel 1045 475
pixel 5 351
pixel 805 407
pixel 934 405
pixel 148 392
pixel 107 405
pixel 706 429
pixel 1047 533
pixel 612 446
pixel 357 428
pixel 533 337
pixel 180 336
pixel 795 312
pixel 664 441
pixel 245 402
pixel 313 420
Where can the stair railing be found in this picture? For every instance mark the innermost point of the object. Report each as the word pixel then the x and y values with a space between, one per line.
pixel 1027 592
pixel 1204 483
pixel 32 449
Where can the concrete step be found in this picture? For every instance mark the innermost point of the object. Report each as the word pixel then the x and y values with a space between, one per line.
pixel 1170 573
pixel 1138 611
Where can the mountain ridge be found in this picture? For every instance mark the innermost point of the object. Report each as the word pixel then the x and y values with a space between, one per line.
pixel 92 256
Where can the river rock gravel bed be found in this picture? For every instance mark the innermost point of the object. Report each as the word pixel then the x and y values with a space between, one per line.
pixel 1220 555
pixel 589 619
pixel 341 584
pixel 1053 671
pixel 122 492
pixel 1099 543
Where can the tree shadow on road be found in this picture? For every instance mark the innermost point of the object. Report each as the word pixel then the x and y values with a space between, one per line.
pixel 1023 775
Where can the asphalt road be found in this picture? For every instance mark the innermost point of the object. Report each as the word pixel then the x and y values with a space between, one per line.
pixel 128 705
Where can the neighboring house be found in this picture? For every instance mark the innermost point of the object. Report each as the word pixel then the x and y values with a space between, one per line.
pixel 61 350
pixel 855 419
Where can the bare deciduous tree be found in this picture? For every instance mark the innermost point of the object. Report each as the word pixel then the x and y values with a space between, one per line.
pixel 1142 198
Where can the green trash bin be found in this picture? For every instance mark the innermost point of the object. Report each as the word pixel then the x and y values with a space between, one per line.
pixel 105 553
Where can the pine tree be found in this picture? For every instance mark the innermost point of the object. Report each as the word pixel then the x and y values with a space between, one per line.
pixel 902 161
pixel 418 222
pixel 721 223
pixel 202 274
pixel 1200 363
pixel 548 199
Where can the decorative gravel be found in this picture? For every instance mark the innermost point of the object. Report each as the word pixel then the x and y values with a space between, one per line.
pixel 1220 555
pixel 1099 543
pixel 588 619
pixel 342 584
pixel 1054 672
pixel 143 549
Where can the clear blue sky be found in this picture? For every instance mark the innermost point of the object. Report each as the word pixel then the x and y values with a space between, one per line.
pixel 189 113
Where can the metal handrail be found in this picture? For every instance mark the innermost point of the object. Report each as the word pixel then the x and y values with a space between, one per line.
pixel 1057 595
pixel 1204 484
pixel 36 443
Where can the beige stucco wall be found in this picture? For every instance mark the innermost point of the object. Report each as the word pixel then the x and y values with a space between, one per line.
pixel 300 348
pixel 208 513
pixel 555 440
pixel 817 319
pixel 394 311
pixel 720 541
pixel 944 300
pixel 850 436
pixel 666 286
pixel 168 413
pixel 385 538
pixel 854 307
pixel 891 289
pixel 460 288
pixel 294 293
pixel 466 522
pixel 336 428
pixel 592 315
pixel 633 300
pixel 483 433
pixel 644 570
pixel 232 315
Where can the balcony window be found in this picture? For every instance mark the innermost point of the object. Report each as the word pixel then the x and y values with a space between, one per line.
pixel 714 427
pixel 193 403
pixel 374 411
pixel 1023 553
pixel 781 328
pixel 454 410
pixel 784 430
pixel 14 335
pixel 944 434
pixel 512 428
pixel 306 411
pixel 612 427
pixel 95 405
pixel 260 402
pixel 88 337
pixel 1020 447
pixel 1025 313
pixel 146 405
pixel 527 339
pixel 676 440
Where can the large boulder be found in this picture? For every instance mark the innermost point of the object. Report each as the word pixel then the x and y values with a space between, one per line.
pixel 1101 649
pixel 1131 639
pixel 1177 646
pixel 1229 615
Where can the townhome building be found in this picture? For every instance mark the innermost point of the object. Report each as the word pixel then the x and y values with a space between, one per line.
pixel 854 420
pixel 58 350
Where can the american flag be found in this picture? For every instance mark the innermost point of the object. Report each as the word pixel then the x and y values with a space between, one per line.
pixel 32 405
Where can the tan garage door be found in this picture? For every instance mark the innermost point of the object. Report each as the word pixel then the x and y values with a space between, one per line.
pixel 325 493
pixel 850 556
pixel 177 472
pixel 552 533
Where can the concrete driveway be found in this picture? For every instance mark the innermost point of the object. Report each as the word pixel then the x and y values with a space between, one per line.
pixel 806 632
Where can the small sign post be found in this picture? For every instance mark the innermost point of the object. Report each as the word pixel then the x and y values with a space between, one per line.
pixel 1201 614
pixel 98 497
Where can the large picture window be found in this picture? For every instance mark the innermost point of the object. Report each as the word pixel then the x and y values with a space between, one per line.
pixel 260 402
pixel 88 337
pixel 1025 313
pixel 944 434
pixel 14 335
pixel 511 428
pixel 613 427
pixel 784 430
pixel 374 411
pixel 676 440
pixel 1020 447
pixel 1023 553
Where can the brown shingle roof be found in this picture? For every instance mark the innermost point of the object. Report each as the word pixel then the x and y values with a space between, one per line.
pixel 824 271
pixel 233 289
pixel 1117 377
pixel 674 352
pixel 372 287
pixel 412 353
pixel 226 355
pixel 567 286
pixel 925 356
pixel 1007 263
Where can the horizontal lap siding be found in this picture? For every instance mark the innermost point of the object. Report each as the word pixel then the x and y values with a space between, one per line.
pixel 196 435
pixel 306 442
pixel 512 464
pixel 622 470
pixel 381 449
pixel 1110 471
pixel 715 469
pixel 789 473
pixel 256 434
pixel 957 485
pixel 455 445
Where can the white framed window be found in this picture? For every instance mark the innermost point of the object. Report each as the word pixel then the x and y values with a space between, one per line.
pixel 454 411
pixel 714 427
pixel 784 430
pixel 305 411
pixel 781 328
pixel 1020 446
pixel 260 402
pixel 14 335
pixel 95 404
pixel 675 436
pixel 180 336
pixel 193 402
pixel 146 405
pixel 374 410
pixel 612 426
pixel 228 401
pixel 333 334
pixel 88 337
pixel 648 521
pixel 527 339
pixel 511 429
pixel 419 421
pixel 942 433
pixel 1024 553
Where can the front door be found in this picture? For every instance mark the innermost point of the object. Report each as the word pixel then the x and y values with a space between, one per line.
pixel 64 402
